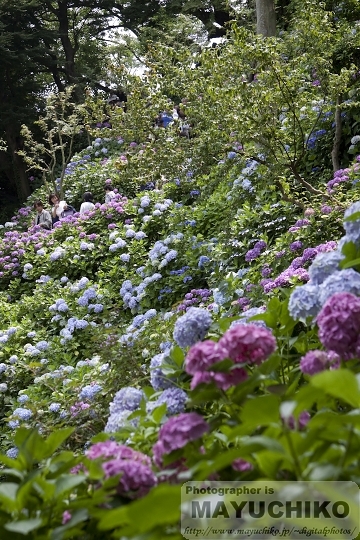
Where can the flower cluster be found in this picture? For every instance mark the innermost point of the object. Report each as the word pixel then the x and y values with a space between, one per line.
pixel 177 432
pixel 192 326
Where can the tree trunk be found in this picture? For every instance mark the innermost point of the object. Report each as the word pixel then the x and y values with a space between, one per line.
pixel 21 179
pixel 66 42
pixel 265 18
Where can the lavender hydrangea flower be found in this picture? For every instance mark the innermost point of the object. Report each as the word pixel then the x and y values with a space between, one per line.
pixel 192 326
pixel 304 302
pixel 295 246
pixel 352 228
pixel 22 413
pixel 342 281
pixel 119 420
pixel 324 265
pixel 12 452
pixel 174 399
pixel 90 391
pixel 126 399
pixel 316 361
pixel 157 378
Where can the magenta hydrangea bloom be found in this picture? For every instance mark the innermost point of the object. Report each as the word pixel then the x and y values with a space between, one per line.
pixel 136 478
pixel 202 355
pixel 248 343
pixel 242 465
pixel 339 325
pixel 177 432
pixel 222 380
pixel 111 449
pixel 317 361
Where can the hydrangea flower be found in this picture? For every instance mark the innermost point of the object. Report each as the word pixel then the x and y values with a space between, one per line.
pixel 342 281
pixel 90 391
pixel 339 325
pixel 352 228
pixel 324 265
pixel 136 478
pixel 157 378
pixel 316 361
pixel 304 302
pixel 22 414
pixel 126 399
pixel 177 432
pixel 248 343
pixel 174 399
pixel 192 326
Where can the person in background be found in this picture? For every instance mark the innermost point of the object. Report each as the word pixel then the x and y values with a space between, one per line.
pixel 57 207
pixel 43 218
pixel 109 193
pixel 88 204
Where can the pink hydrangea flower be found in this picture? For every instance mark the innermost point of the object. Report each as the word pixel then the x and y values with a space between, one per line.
pixel 248 343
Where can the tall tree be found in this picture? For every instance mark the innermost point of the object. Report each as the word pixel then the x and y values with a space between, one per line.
pixel 265 18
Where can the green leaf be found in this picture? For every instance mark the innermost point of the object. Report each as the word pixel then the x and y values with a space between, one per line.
pixel 354 217
pixel 260 411
pixel 340 383
pixel 77 517
pixel 160 507
pixel 351 264
pixel 177 355
pixel 8 490
pixel 67 482
pixel 24 526
pixel 56 439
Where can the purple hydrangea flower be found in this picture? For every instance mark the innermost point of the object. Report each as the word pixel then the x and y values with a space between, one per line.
pixel 339 325
pixel 177 432
pixel 316 361
pixel 295 246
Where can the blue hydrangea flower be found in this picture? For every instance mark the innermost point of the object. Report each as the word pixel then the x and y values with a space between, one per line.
pixel 90 391
pixel 23 398
pixel 42 345
pixel 192 327
pixel 150 314
pixel 13 359
pixel 342 281
pixel 324 265
pixel 157 378
pixel 352 228
pixel 64 279
pixel 174 399
pixel 3 387
pixel 54 407
pixel 119 420
pixel 12 452
pixel 126 399
pixel 125 257
pixel 22 413
pixel 304 302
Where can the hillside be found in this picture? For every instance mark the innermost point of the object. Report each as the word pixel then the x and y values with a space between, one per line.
pixel 204 323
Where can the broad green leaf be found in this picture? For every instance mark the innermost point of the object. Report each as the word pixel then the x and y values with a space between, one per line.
pixel 160 507
pixel 340 383
pixel 67 482
pixel 24 526
pixel 56 439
